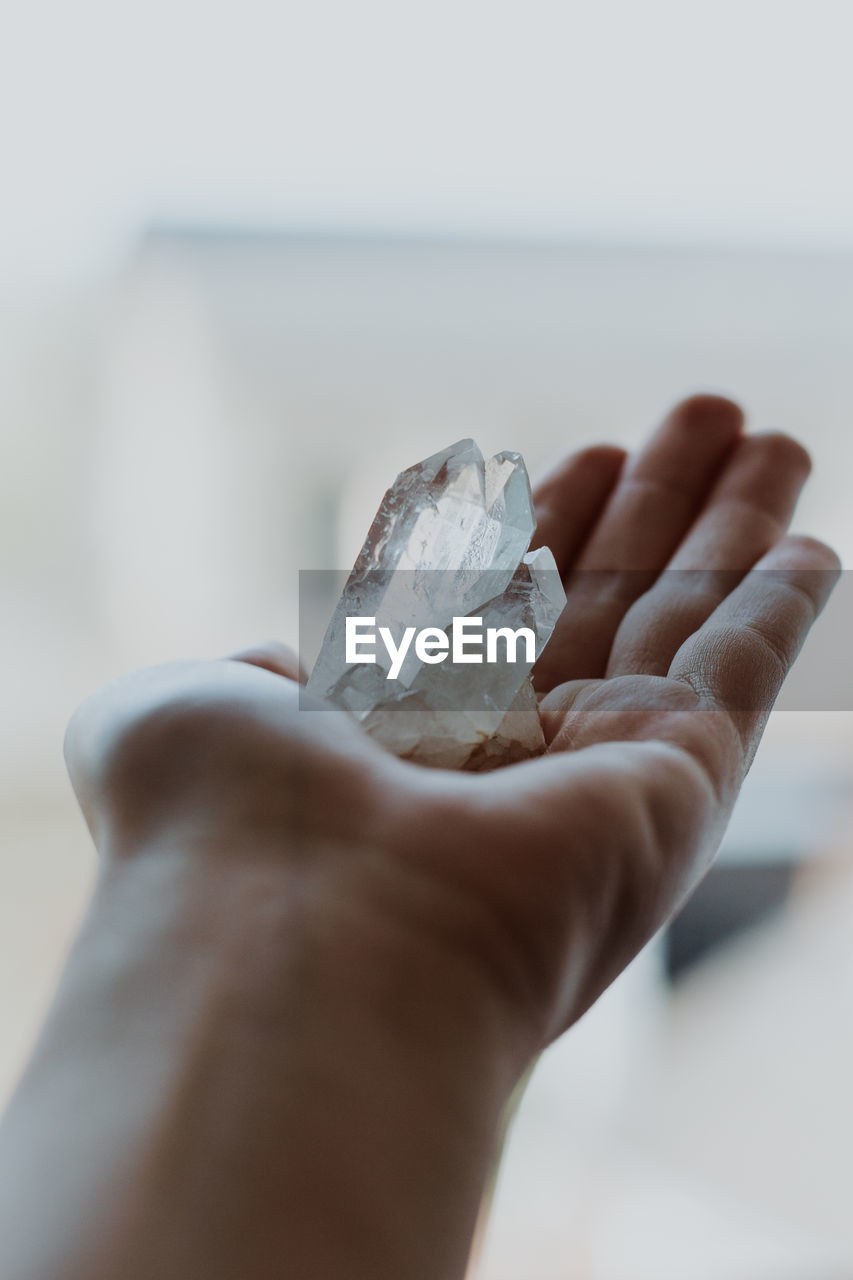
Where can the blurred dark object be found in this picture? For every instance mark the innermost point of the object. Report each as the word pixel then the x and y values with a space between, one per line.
pixel 730 900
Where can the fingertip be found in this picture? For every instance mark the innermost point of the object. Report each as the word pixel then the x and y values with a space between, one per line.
pixel 801 551
pixel 782 450
pixel 707 412
pixel 807 563
pixel 601 456
pixel 597 464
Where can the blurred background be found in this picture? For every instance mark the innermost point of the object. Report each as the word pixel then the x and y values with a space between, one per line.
pixel 255 259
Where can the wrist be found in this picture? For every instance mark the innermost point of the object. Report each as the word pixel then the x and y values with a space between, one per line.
pixel 254 1026
pixel 350 927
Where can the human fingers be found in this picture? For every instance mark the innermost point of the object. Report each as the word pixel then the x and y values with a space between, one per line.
pixel 659 493
pixel 571 497
pixel 747 512
pixel 737 660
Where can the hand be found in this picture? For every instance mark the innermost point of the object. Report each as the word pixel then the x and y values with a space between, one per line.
pixel 547 877
pixel 312 974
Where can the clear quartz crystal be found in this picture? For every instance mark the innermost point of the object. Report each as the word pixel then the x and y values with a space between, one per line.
pixel 449 540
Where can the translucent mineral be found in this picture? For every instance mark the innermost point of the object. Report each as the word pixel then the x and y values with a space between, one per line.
pixel 450 541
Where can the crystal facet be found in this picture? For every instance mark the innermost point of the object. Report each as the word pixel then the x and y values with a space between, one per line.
pixel 449 540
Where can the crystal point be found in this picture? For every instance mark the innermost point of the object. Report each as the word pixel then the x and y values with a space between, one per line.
pixel 449 541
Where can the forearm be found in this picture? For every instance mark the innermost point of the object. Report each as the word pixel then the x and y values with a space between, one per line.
pixel 235 1082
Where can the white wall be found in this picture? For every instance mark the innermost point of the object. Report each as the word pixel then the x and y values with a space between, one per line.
pixel 664 120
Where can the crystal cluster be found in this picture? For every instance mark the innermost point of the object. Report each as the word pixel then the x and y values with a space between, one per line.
pixel 450 539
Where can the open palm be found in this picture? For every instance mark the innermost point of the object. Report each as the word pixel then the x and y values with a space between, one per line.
pixel 687 604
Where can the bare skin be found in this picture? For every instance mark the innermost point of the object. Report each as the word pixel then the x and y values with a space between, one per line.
pixel 312 974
